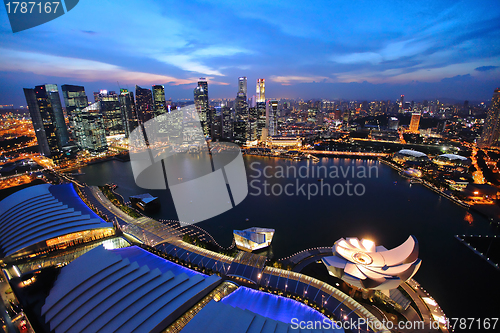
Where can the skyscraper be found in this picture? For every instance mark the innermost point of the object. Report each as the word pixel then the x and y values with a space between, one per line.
pixel 272 117
pixel 143 104
pixel 227 123
pixel 242 85
pixel 401 103
pixel 261 90
pixel 491 128
pixel 128 110
pixel 201 104
pixel 114 119
pixel 261 119
pixel 415 121
pixel 241 105
pixel 159 100
pixel 91 132
pixel 47 116
pixel 75 100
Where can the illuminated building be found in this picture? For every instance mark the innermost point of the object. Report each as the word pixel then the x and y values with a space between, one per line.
pixel 113 115
pixel 491 128
pixel 242 85
pixel 362 264
pixel 260 123
pixel 47 116
pixel 410 172
pixel 46 217
pixel 415 121
pixel 103 94
pixel 227 122
pixel 91 134
pixel 272 117
pixel 252 239
pixel 240 131
pixel 405 155
pixel 241 104
pixel 393 124
pixel 143 104
pixel 261 90
pixel 401 103
pixel 75 100
pixel 127 106
pixel 201 105
pixel 159 100
pixel 452 160
pixel 284 141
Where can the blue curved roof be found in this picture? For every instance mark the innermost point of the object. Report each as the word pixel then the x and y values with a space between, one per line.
pixel 271 306
pixel 109 291
pixel 42 212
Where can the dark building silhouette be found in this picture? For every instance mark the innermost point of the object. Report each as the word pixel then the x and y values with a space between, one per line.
pixel 46 112
pixel 144 104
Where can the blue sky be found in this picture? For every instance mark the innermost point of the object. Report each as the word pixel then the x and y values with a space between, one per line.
pixel 304 49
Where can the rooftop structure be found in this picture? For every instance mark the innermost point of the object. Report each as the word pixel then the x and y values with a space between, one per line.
pixel 452 160
pixel 362 264
pixel 145 202
pixel 127 290
pixel 252 239
pixel 405 155
pixel 248 310
pixel 44 216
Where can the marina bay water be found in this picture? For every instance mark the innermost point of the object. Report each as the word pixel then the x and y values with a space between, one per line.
pixel 387 212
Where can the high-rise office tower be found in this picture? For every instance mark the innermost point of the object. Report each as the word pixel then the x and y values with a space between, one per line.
pixel 143 104
pixel 114 119
pixel 240 131
pixel 91 133
pixel 241 104
pixel 261 90
pixel 159 100
pixel 128 111
pixel 491 128
pixel 415 121
pixel 261 119
pixel 227 123
pixel 47 116
pixel 401 103
pixel 272 117
pixel 201 104
pixel 242 85
pixel 75 100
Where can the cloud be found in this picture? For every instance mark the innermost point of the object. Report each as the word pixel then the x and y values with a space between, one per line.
pixel 187 63
pixel 77 69
pixel 391 51
pixel 287 80
pixel 485 68
pixel 458 78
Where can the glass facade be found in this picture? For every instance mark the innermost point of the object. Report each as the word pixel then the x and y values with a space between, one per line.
pixel 48 119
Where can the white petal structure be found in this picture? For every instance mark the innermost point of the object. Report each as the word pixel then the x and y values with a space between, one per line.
pixel 364 265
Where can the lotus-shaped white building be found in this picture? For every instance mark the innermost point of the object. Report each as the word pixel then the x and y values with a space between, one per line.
pixel 364 265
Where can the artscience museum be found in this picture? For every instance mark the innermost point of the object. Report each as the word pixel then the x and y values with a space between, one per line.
pixel 362 264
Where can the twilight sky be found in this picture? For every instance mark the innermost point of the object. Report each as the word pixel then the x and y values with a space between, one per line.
pixel 304 49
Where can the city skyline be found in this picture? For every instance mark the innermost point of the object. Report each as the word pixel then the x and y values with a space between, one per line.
pixel 320 50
